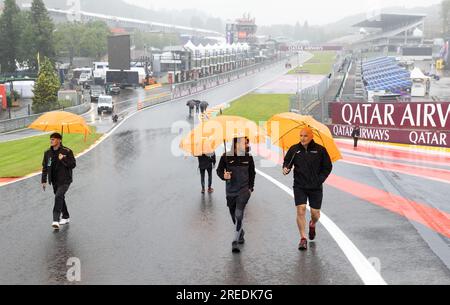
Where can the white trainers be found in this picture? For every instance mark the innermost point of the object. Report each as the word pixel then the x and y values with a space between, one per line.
pixel 63 222
pixel 55 225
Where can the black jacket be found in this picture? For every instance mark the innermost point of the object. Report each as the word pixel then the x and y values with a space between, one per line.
pixel 243 173
pixel 55 171
pixel 311 167
pixel 206 161
pixel 356 133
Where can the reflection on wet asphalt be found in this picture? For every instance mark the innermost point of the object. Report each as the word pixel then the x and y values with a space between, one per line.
pixel 138 218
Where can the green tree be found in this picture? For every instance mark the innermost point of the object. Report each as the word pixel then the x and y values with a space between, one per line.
pixel 10 32
pixel 77 39
pixel 155 40
pixel 38 35
pixel 46 88
pixel 298 31
pixel 94 39
pixel 68 38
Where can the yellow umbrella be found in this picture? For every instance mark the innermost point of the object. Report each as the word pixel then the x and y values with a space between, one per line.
pixel 61 121
pixel 209 135
pixel 284 131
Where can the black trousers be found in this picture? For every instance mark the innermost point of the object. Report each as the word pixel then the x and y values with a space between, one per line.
pixel 355 141
pixel 60 202
pixel 202 177
pixel 237 205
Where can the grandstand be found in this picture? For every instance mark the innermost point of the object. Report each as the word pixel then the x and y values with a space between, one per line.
pixel 384 76
pixel 388 32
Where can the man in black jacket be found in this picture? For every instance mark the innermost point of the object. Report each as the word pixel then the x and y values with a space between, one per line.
pixel 237 168
pixel 203 106
pixel 312 166
pixel 206 164
pixel 57 167
pixel 197 106
pixel 355 135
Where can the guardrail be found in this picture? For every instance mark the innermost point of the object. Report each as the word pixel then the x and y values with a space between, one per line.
pixel 178 91
pixel 309 98
pixel 193 87
pixel 24 122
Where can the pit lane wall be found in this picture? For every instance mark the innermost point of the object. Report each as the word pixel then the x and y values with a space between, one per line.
pixel 422 123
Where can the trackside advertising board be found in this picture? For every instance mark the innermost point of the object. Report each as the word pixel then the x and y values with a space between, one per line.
pixel 426 123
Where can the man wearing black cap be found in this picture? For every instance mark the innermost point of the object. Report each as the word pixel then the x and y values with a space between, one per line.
pixel 57 167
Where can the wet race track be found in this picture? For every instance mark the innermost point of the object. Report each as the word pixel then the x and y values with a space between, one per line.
pixel 138 216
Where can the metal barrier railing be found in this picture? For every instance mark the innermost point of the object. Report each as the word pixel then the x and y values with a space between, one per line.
pixel 178 91
pixel 193 87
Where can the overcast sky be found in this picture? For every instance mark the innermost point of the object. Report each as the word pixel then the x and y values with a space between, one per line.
pixel 284 11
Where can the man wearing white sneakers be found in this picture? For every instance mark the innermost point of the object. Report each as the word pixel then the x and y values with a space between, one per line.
pixel 57 167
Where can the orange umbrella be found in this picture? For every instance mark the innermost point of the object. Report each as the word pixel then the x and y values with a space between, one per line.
pixel 284 132
pixel 209 135
pixel 61 121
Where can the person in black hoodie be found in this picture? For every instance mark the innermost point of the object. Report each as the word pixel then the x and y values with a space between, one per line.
pixel 355 135
pixel 237 168
pixel 312 166
pixel 57 167
pixel 206 164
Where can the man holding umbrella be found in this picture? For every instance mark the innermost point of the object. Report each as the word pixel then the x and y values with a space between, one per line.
pixel 312 166
pixel 197 106
pixel 237 168
pixel 57 167
pixel 203 106
pixel 191 104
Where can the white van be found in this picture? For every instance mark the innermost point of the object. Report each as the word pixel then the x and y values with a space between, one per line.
pixel 84 78
pixel 105 104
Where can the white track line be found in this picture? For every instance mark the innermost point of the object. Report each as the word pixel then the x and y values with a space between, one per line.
pixel 362 266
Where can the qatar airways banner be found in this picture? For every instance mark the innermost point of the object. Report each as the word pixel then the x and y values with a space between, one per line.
pixel 398 115
pixel 402 136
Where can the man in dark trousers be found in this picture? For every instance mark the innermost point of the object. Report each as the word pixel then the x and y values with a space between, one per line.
pixel 312 166
pixel 57 167
pixel 206 164
pixel 203 106
pixel 191 105
pixel 197 106
pixel 355 135
pixel 237 168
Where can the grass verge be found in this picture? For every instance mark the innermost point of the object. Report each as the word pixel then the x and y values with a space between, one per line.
pixel 259 107
pixel 22 157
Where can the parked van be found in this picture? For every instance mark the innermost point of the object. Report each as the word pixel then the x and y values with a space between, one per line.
pixel 105 104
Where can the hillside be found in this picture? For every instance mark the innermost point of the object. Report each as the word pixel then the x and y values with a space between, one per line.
pixel 191 17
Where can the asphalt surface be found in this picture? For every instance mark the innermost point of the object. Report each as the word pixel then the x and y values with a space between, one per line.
pixel 138 218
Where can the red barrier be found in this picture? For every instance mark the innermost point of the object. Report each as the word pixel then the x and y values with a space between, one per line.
pixel 397 115
pixel 3 95
pixel 437 138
